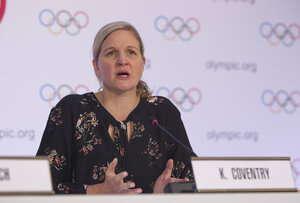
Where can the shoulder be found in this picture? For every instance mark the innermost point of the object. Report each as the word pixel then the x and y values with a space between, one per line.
pixel 76 100
pixel 162 103
pixel 71 106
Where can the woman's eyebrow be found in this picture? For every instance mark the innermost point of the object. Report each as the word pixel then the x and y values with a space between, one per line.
pixel 134 47
pixel 108 49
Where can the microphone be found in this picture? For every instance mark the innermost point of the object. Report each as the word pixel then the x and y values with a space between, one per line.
pixel 154 122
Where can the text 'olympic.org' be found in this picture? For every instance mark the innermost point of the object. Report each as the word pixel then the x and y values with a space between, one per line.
pixel 232 136
pixel 17 134
pixel 231 66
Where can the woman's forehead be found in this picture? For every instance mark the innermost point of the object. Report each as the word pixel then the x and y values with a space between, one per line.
pixel 121 37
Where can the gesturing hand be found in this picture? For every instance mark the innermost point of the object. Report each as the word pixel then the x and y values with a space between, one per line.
pixel 165 178
pixel 114 183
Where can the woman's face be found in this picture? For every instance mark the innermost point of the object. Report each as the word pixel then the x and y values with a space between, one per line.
pixel 120 64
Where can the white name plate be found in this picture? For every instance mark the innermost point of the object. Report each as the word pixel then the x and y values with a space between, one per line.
pixel 24 175
pixel 243 174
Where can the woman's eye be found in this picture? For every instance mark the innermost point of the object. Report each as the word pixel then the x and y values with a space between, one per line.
pixel 131 52
pixel 110 53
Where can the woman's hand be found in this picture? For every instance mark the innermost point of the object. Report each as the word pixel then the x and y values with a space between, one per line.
pixel 114 183
pixel 165 178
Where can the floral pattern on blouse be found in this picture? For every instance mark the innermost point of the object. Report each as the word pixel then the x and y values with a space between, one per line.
pixel 138 129
pixel 54 159
pixel 178 170
pixel 99 173
pixel 63 188
pixel 116 138
pixel 84 131
pixel 55 116
pixel 170 146
pixel 152 151
pixel 84 101
pixel 155 100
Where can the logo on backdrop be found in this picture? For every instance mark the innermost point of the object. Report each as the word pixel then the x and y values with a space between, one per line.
pixel 274 34
pixel 186 100
pixel 2 9
pixel 296 167
pixel 49 92
pixel 170 29
pixel 281 100
pixel 63 20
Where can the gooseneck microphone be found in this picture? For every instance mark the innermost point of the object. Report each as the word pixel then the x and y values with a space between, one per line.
pixel 154 122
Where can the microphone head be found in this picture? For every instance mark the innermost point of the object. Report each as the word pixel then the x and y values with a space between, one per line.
pixel 153 120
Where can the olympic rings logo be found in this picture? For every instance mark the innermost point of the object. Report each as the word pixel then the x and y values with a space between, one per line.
pixel 185 99
pixel 48 92
pixel 63 20
pixel 177 27
pixel 281 100
pixel 280 33
pixel 2 9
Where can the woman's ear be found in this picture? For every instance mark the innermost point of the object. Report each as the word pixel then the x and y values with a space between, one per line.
pixel 96 69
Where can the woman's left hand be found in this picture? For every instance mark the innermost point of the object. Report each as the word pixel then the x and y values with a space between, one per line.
pixel 165 178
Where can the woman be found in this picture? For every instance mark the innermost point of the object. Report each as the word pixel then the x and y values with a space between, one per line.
pixel 104 142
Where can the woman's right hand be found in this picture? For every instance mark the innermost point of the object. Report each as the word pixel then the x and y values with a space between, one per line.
pixel 114 183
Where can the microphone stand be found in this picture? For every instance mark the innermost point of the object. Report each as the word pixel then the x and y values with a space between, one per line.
pixel 155 122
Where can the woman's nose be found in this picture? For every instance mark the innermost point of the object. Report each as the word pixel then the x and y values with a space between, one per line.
pixel 122 59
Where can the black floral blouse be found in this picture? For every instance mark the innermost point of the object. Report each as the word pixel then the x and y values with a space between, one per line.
pixel 79 147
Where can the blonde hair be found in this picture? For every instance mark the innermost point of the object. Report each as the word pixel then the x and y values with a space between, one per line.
pixel 142 88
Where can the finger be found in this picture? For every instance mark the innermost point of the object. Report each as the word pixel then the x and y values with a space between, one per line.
pixel 129 185
pixel 133 191
pixel 168 170
pixel 110 171
pixel 120 176
pixel 126 186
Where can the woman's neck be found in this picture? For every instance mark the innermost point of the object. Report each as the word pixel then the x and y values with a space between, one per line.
pixel 118 105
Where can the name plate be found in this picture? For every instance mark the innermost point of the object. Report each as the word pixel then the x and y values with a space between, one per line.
pixel 24 175
pixel 243 174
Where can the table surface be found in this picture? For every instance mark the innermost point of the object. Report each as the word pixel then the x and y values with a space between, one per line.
pixel 270 197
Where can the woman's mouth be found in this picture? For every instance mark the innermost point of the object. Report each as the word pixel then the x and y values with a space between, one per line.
pixel 123 74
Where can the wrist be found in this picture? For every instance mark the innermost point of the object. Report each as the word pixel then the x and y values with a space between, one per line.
pixel 96 189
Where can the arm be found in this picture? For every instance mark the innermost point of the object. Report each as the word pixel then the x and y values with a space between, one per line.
pixel 178 167
pixel 56 143
pixel 182 167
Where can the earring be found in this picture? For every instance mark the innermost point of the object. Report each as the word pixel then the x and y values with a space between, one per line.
pixel 101 87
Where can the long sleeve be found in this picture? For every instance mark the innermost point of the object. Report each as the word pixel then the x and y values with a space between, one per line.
pixel 182 158
pixel 57 144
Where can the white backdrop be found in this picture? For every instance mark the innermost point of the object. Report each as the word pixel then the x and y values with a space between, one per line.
pixel 231 67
